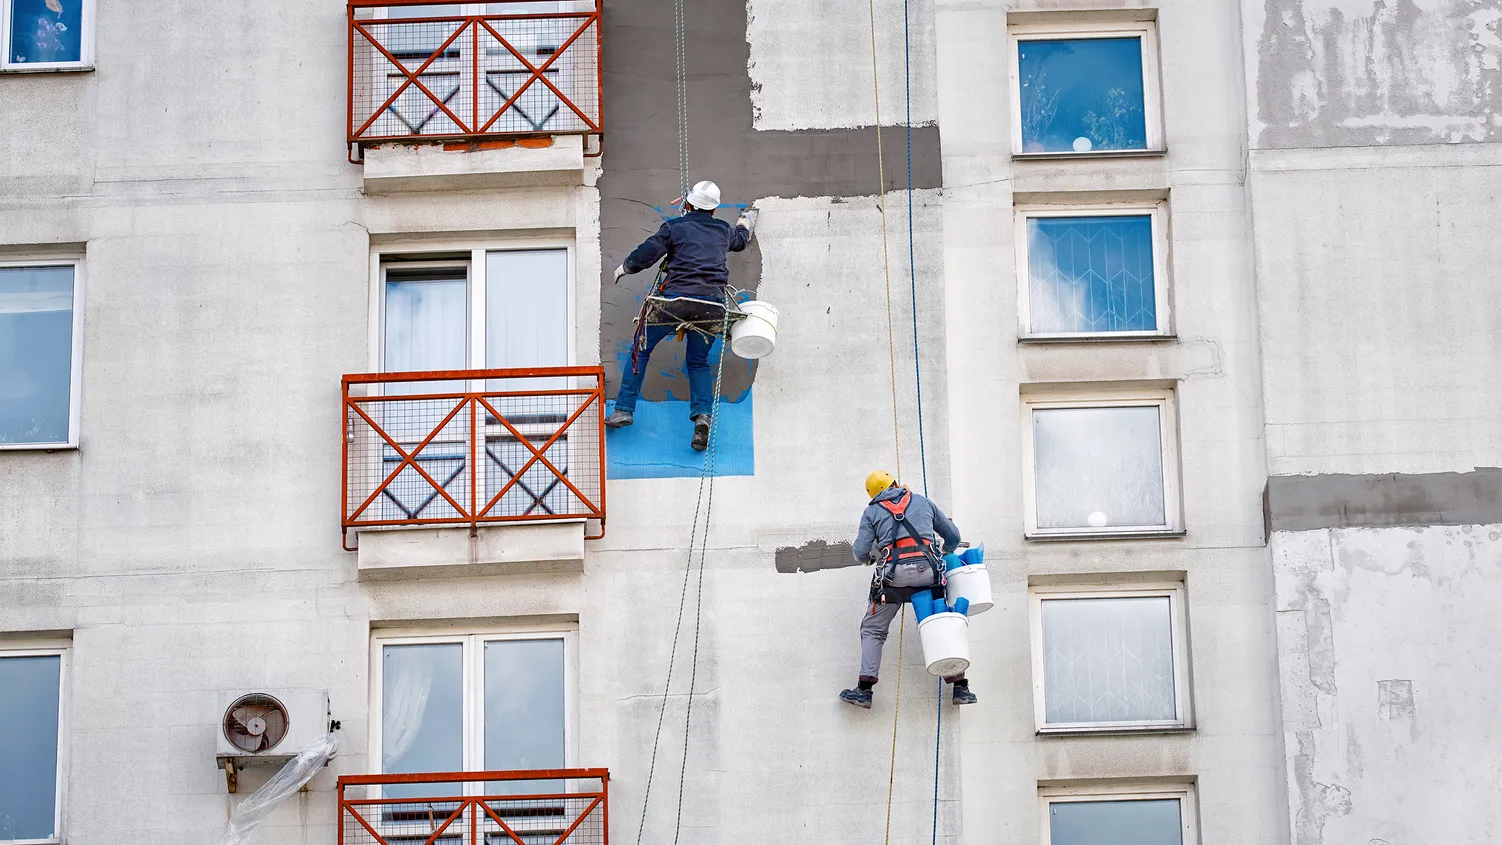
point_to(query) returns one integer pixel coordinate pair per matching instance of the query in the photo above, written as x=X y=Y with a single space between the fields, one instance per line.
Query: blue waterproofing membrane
x=656 y=445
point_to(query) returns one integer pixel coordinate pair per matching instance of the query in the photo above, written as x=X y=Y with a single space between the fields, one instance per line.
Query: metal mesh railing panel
x=577 y=814
x=524 y=447
x=414 y=76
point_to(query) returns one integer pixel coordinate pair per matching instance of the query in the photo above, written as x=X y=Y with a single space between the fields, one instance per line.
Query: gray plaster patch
x=1311 y=502
x=641 y=165
x=1395 y=700
x=814 y=556
x=1399 y=72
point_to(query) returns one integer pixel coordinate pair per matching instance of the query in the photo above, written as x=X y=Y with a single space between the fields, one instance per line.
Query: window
x=1100 y=464
x=31 y=743
x=1092 y=271
x=46 y=34
x=41 y=321
x=476 y=702
x=475 y=309
x=1126 y=814
x=1111 y=658
x=1085 y=88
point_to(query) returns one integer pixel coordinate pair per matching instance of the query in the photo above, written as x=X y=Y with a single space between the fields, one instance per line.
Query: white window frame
x=1184 y=793
x=474 y=319
x=75 y=373
x=1157 y=211
x=85 y=50
x=1161 y=398
x=1152 y=96
x=61 y=649
x=1179 y=630
x=474 y=641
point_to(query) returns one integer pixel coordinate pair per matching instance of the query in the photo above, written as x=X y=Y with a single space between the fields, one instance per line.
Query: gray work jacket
x=879 y=528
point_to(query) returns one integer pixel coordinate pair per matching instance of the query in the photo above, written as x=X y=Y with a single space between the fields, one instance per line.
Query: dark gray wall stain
x=641 y=158
x=1399 y=75
x=814 y=556
x=1309 y=502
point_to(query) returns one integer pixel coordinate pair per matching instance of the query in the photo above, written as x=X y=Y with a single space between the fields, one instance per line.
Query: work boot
x=701 y=433
x=963 y=695
x=858 y=697
x=619 y=419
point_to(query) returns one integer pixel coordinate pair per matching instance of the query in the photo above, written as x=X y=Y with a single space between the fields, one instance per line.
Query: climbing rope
x=703 y=505
x=896 y=709
x=886 y=262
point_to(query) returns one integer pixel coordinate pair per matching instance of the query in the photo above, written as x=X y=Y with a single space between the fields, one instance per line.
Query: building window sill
x=67 y=69
x=1121 y=337
x=1070 y=154
x=1114 y=730
x=38 y=447
x=1075 y=536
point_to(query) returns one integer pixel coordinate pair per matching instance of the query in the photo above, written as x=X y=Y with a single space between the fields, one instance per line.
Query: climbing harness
x=704 y=317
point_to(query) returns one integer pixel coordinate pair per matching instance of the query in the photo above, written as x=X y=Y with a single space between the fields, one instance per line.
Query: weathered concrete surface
x=1362 y=72
x=1387 y=659
x=641 y=160
x=1306 y=502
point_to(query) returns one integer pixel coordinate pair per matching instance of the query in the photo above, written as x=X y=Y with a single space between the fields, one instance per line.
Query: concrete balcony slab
x=511 y=548
x=484 y=165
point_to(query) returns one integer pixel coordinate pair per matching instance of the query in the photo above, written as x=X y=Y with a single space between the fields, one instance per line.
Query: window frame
x=1165 y=399
x=1183 y=792
x=75 y=369
x=1152 y=89
x=473 y=641
x=1183 y=693
x=62 y=650
x=1158 y=214
x=85 y=44
x=476 y=268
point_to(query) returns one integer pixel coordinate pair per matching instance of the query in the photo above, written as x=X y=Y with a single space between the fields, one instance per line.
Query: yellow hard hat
x=878 y=481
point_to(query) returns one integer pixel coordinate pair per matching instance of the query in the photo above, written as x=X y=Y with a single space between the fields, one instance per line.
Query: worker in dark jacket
x=906 y=564
x=696 y=245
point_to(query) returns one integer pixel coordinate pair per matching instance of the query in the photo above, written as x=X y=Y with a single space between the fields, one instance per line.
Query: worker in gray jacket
x=899 y=533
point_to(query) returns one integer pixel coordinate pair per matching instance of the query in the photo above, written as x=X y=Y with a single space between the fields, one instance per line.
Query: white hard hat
x=704 y=196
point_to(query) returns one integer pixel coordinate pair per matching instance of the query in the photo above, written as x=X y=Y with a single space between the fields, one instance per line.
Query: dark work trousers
x=878 y=618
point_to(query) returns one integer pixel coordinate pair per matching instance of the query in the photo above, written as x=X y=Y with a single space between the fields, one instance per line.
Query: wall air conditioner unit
x=268 y=727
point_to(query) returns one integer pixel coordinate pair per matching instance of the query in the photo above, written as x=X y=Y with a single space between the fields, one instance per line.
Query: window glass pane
x=1108 y=660
x=427 y=324
x=1098 y=467
x=45 y=31
x=526 y=304
x=1154 y=822
x=36 y=353
x=524 y=716
x=422 y=714
x=1081 y=94
x=1091 y=274
x=29 y=692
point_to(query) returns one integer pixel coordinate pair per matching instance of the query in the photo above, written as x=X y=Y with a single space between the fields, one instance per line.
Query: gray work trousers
x=878 y=618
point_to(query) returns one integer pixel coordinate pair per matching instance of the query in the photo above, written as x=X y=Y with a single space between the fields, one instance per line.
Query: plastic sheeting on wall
x=282 y=785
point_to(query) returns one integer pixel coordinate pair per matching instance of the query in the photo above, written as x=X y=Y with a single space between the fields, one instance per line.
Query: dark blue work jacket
x=696 y=245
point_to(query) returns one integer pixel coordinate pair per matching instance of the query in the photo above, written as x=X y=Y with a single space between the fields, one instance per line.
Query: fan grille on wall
x=255 y=723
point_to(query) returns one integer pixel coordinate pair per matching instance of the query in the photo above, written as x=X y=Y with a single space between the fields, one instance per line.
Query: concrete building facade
x=1183 y=309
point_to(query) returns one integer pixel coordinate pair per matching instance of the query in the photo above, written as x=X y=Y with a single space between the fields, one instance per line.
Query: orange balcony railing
x=512 y=69
x=469 y=447
x=552 y=807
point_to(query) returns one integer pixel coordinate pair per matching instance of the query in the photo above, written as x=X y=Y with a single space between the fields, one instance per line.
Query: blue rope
x=912 y=254
x=912 y=275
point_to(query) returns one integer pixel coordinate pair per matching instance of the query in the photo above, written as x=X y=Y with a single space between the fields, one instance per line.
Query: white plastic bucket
x=946 y=643
x=755 y=335
x=973 y=584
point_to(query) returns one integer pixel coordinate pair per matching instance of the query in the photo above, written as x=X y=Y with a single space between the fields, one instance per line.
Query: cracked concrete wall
x=1388 y=668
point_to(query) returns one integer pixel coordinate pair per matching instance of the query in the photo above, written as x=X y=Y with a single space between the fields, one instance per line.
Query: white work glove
x=748 y=219
x=619 y=272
